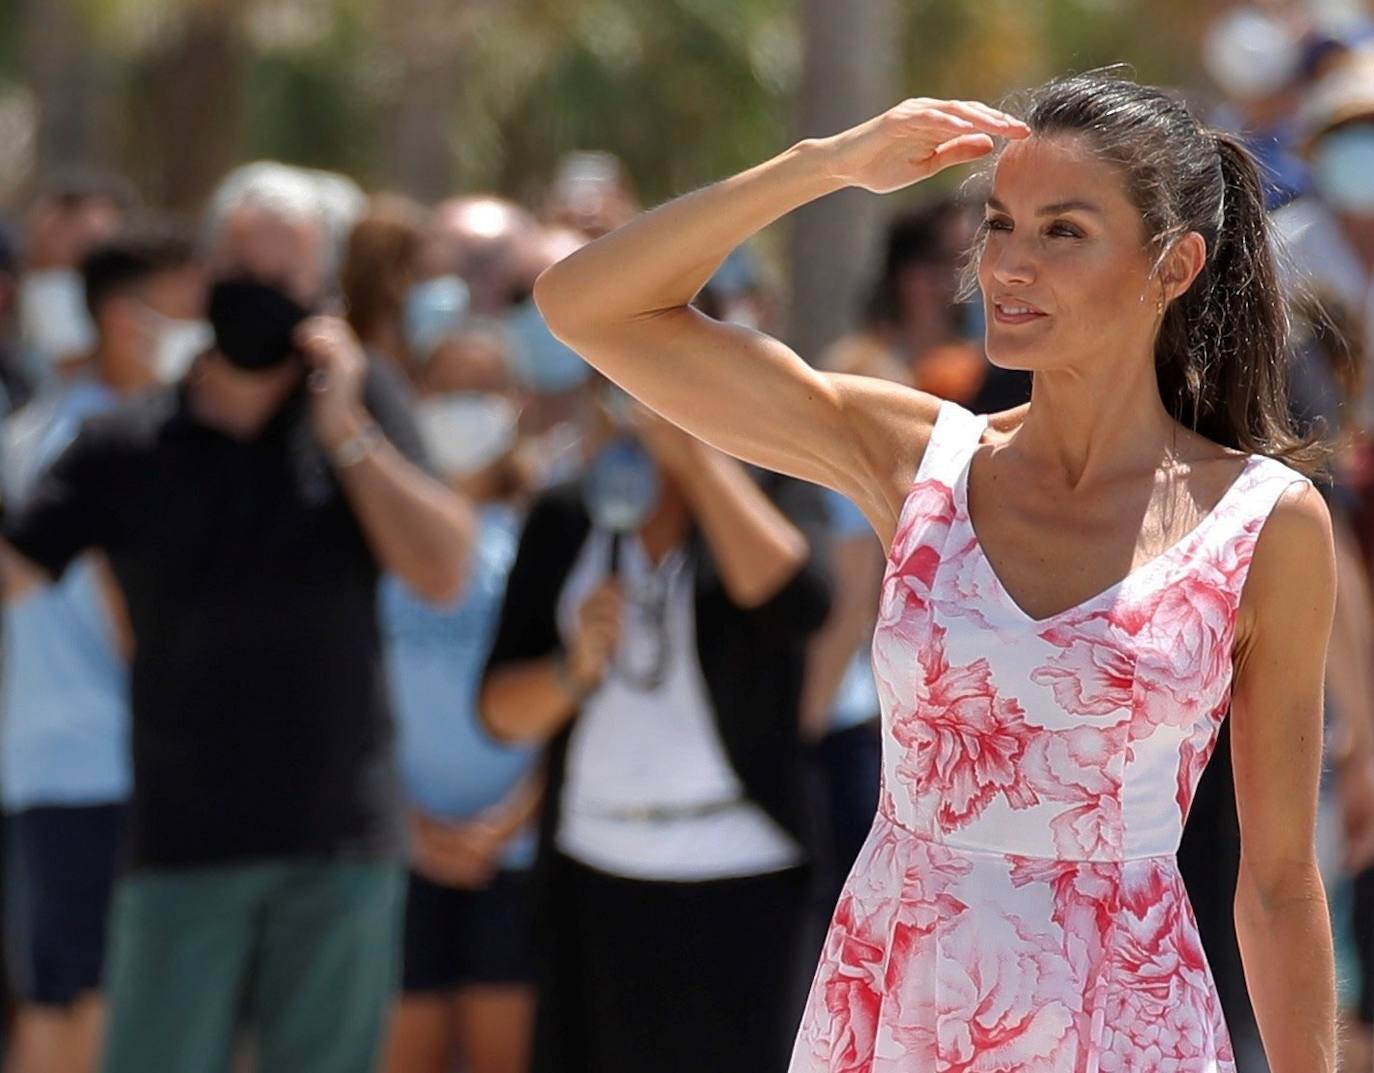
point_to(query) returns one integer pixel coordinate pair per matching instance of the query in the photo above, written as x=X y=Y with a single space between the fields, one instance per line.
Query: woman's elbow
x=501 y=720
x=441 y=578
x=556 y=300
x=1277 y=885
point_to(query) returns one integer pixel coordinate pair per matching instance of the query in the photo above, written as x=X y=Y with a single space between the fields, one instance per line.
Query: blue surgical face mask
x=1343 y=169
x=434 y=309
x=622 y=486
x=541 y=363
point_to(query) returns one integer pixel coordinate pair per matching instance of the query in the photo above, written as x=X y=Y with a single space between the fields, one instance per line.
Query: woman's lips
x=1006 y=312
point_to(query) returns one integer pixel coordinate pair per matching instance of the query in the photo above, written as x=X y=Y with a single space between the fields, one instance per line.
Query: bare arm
x=857 y=563
x=418 y=529
x=756 y=547
x=531 y=700
x=20 y=576
x=1282 y=918
x=623 y=303
x=527 y=701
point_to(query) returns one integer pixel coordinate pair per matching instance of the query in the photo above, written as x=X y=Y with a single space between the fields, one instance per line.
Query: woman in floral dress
x=1077 y=591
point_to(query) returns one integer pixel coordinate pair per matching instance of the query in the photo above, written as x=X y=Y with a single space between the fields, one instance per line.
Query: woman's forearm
x=1285 y=943
x=418 y=529
x=756 y=547
x=520 y=807
x=528 y=701
x=661 y=259
x=857 y=566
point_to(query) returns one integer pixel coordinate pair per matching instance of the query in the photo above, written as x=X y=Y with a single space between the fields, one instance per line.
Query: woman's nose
x=1010 y=264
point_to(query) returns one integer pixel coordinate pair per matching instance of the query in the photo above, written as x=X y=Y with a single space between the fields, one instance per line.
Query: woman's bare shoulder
x=1293 y=564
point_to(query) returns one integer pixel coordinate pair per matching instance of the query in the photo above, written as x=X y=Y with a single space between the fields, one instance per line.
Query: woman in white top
x=654 y=631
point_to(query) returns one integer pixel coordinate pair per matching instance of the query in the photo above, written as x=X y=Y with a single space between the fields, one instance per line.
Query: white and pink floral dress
x=1017 y=907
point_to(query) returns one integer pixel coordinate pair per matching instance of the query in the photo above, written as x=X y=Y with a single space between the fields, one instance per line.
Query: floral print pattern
x=1017 y=906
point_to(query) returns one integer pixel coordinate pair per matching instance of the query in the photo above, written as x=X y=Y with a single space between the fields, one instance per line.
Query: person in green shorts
x=247 y=513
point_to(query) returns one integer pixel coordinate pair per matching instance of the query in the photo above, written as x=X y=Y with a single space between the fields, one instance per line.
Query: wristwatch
x=358 y=446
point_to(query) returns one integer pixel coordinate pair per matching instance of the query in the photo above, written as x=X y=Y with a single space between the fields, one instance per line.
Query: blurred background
x=449 y=150
x=429 y=97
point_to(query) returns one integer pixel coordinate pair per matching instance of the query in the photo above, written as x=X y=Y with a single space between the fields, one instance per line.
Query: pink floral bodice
x=1017 y=906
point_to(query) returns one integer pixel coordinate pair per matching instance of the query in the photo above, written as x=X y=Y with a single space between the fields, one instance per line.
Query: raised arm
x=623 y=303
x=1282 y=920
x=416 y=527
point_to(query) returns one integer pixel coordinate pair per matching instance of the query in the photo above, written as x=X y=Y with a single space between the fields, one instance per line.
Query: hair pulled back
x=1221 y=354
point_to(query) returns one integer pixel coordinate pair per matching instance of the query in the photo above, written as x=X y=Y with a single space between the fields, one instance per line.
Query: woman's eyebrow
x=1054 y=209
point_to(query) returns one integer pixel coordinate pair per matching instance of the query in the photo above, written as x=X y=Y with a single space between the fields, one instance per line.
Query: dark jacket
x=751 y=658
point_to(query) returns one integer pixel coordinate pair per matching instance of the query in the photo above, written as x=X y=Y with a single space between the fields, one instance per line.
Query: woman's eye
x=1065 y=231
x=994 y=224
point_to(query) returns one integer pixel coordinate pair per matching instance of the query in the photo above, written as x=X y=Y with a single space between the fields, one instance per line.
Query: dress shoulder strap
x=1227 y=539
x=1257 y=491
x=954 y=437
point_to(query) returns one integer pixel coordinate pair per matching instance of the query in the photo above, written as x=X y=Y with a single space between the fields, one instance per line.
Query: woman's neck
x=1086 y=428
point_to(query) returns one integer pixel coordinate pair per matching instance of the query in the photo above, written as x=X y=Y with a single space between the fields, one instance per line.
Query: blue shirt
x=856 y=699
x=64 y=694
x=435 y=655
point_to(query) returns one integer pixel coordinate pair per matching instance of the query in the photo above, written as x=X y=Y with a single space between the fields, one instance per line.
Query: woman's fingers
x=967 y=116
x=1009 y=125
x=960 y=150
x=934 y=118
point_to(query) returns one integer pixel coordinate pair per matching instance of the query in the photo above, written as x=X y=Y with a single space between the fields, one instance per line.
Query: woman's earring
x=1159 y=306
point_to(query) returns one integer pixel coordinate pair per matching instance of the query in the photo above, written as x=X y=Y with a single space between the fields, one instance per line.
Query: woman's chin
x=1015 y=356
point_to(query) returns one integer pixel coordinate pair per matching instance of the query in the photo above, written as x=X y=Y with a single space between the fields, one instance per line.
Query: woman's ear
x=1182 y=264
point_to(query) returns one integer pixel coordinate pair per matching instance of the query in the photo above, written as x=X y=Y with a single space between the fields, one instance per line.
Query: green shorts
x=301 y=956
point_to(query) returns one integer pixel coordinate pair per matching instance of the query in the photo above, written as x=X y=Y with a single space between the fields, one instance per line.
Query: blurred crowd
x=383 y=689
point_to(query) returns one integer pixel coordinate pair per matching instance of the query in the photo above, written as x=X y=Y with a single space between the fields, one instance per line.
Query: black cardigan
x=751 y=658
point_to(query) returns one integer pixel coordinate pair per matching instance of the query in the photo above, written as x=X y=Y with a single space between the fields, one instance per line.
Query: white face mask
x=1343 y=169
x=467 y=431
x=178 y=344
x=1250 y=54
x=53 y=318
x=173 y=343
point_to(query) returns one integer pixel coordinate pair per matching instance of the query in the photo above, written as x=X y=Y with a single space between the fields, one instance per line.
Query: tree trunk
x=427 y=37
x=850 y=73
x=70 y=80
x=195 y=99
x=421 y=159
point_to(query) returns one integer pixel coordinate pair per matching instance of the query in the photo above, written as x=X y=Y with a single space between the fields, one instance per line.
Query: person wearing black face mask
x=247 y=513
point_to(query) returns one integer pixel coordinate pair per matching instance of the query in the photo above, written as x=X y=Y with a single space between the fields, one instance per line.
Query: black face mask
x=254 y=323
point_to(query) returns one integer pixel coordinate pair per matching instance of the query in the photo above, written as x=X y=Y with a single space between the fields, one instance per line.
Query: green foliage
x=316 y=102
x=683 y=90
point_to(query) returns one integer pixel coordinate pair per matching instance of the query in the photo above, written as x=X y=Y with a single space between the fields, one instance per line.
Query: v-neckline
x=1013 y=605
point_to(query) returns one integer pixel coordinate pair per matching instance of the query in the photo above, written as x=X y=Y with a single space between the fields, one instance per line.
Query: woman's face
x=1064 y=271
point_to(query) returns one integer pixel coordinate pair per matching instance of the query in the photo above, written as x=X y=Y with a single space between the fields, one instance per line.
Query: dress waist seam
x=992 y=852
